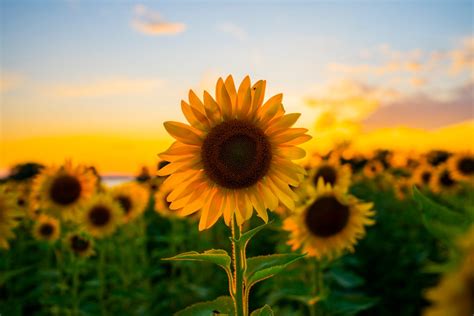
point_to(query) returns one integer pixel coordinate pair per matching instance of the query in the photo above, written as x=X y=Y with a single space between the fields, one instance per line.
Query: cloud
x=462 y=58
x=10 y=81
x=233 y=30
x=151 y=22
x=105 y=87
x=420 y=110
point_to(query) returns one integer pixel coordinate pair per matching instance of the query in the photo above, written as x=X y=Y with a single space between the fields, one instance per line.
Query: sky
x=93 y=81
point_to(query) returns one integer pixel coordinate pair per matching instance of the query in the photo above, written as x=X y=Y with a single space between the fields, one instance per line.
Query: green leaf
x=440 y=221
x=264 y=311
x=349 y=304
x=346 y=278
x=245 y=237
x=7 y=275
x=216 y=256
x=221 y=306
x=264 y=267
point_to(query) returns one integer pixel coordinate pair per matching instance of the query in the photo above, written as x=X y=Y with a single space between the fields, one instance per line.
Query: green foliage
x=216 y=256
x=221 y=306
x=264 y=311
x=264 y=267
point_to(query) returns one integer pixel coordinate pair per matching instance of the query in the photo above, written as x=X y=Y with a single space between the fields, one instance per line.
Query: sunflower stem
x=101 y=271
x=239 y=262
x=75 y=288
x=316 y=286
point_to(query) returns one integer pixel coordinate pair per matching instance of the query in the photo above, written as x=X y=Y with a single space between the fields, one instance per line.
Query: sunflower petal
x=282 y=123
x=184 y=133
x=258 y=204
x=195 y=102
x=213 y=111
x=290 y=152
x=258 y=93
x=288 y=135
x=270 y=199
x=230 y=86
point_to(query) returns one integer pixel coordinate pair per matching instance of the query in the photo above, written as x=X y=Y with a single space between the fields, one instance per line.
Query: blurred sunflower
x=442 y=180
x=46 y=228
x=461 y=166
x=454 y=295
x=101 y=215
x=162 y=206
x=333 y=173
x=80 y=244
x=402 y=188
x=329 y=223
x=10 y=216
x=60 y=191
x=373 y=168
x=235 y=156
x=133 y=199
x=422 y=175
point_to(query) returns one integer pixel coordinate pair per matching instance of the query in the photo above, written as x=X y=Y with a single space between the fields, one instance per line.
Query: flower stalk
x=238 y=292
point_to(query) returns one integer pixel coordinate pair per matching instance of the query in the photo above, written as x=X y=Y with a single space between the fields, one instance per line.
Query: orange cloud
x=151 y=23
x=9 y=81
x=463 y=57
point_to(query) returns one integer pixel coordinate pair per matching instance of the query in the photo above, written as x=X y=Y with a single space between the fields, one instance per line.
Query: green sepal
x=221 y=306
x=216 y=256
x=264 y=311
x=264 y=267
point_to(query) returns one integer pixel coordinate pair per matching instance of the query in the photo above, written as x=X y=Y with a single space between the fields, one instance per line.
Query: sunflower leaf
x=264 y=311
x=245 y=237
x=216 y=256
x=264 y=267
x=220 y=306
x=440 y=221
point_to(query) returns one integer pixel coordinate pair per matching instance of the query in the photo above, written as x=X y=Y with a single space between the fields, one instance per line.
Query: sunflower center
x=328 y=174
x=21 y=202
x=446 y=180
x=426 y=177
x=99 y=215
x=65 y=190
x=46 y=230
x=125 y=202
x=326 y=217
x=466 y=166
x=236 y=154
x=79 y=244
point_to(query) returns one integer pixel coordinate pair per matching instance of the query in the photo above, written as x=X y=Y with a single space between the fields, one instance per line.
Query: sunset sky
x=94 y=80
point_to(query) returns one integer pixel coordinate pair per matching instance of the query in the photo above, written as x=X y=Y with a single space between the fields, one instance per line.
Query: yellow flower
x=442 y=180
x=61 y=191
x=80 y=244
x=461 y=166
x=46 y=228
x=133 y=199
x=235 y=156
x=101 y=215
x=333 y=173
x=329 y=223
x=454 y=295
x=10 y=216
x=373 y=168
x=402 y=188
x=422 y=175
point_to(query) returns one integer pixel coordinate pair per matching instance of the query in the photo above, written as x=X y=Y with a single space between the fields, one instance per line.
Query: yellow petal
x=282 y=123
x=184 y=133
x=271 y=201
x=258 y=93
x=288 y=135
x=290 y=152
x=258 y=204
x=199 y=122
x=195 y=102
x=230 y=86
x=213 y=111
x=282 y=196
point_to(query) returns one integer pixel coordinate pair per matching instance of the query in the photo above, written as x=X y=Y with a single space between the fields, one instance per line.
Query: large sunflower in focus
x=331 y=172
x=60 y=191
x=235 y=156
x=462 y=166
x=454 y=295
x=9 y=216
x=133 y=199
x=101 y=216
x=329 y=223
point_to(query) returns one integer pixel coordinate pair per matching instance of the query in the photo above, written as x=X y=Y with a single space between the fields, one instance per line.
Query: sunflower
x=442 y=180
x=329 y=223
x=60 y=191
x=133 y=199
x=422 y=175
x=10 y=215
x=462 y=166
x=333 y=173
x=46 y=228
x=162 y=206
x=235 y=156
x=402 y=188
x=454 y=295
x=80 y=244
x=101 y=215
x=373 y=168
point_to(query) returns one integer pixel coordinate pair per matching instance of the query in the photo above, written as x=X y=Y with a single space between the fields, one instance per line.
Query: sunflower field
x=239 y=219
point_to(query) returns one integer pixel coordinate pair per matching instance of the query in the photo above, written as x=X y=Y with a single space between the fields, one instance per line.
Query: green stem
x=239 y=262
x=316 y=284
x=75 y=288
x=101 y=275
